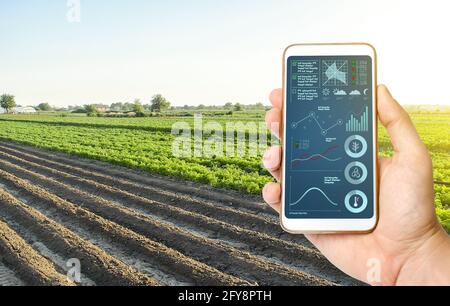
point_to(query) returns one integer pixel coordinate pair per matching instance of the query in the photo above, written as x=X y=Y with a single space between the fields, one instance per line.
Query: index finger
x=276 y=98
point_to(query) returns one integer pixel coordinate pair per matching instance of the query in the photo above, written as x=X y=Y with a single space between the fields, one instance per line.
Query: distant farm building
x=19 y=110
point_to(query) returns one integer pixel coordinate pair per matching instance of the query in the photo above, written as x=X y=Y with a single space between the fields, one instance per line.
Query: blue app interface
x=329 y=138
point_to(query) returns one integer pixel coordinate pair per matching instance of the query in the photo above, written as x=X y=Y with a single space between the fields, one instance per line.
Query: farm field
x=108 y=192
x=132 y=228
x=146 y=144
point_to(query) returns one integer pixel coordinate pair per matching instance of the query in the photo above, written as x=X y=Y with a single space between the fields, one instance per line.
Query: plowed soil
x=127 y=227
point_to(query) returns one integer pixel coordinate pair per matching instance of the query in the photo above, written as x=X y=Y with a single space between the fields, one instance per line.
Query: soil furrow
x=287 y=250
x=99 y=266
x=259 y=223
x=201 y=248
x=295 y=254
x=8 y=277
x=229 y=198
x=59 y=260
x=28 y=264
x=165 y=258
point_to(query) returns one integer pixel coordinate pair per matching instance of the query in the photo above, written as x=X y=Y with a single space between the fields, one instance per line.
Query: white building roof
x=19 y=110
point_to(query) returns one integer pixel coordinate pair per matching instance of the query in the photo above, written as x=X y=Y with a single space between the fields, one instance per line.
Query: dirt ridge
x=191 y=237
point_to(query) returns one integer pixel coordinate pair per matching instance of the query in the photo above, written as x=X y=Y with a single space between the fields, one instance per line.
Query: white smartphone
x=330 y=148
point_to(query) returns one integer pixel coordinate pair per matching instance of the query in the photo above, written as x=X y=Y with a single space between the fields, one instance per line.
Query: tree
x=7 y=102
x=237 y=107
x=117 y=107
x=159 y=104
x=138 y=107
x=259 y=105
x=45 y=107
x=91 y=109
x=228 y=105
x=128 y=107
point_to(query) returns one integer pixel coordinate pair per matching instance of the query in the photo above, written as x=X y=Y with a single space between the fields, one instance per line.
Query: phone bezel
x=303 y=226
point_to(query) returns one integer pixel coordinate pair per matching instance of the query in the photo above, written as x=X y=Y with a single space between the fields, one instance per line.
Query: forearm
x=430 y=265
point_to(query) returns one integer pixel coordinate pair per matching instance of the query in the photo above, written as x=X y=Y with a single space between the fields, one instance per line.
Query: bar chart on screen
x=358 y=124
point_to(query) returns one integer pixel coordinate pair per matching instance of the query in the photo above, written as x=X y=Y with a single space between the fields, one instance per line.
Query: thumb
x=399 y=126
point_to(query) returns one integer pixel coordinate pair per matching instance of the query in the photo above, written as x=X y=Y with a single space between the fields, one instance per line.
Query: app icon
x=356 y=201
x=355 y=173
x=355 y=146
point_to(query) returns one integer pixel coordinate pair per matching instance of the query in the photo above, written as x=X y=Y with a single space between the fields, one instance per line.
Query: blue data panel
x=329 y=137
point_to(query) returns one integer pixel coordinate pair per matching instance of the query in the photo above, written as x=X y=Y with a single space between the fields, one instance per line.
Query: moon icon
x=366 y=91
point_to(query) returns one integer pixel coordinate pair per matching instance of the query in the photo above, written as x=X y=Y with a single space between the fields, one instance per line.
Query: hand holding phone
x=408 y=246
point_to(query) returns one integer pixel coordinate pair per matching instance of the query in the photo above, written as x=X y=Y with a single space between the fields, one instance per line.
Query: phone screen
x=329 y=143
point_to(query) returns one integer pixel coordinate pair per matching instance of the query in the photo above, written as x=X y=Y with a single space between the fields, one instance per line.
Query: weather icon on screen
x=339 y=92
x=355 y=93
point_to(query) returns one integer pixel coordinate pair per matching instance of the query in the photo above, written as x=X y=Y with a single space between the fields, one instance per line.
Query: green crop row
x=139 y=149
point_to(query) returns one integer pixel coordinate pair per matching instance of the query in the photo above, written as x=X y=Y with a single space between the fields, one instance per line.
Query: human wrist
x=429 y=264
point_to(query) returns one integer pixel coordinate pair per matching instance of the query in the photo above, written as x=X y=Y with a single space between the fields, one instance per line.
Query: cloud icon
x=355 y=93
x=339 y=92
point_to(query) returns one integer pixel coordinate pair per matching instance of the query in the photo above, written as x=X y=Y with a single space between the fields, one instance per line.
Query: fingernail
x=387 y=90
x=267 y=159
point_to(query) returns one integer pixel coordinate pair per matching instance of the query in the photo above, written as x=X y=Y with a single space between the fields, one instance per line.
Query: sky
x=208 y=52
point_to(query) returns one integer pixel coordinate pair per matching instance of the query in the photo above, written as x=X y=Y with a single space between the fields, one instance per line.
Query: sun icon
x=326 y=92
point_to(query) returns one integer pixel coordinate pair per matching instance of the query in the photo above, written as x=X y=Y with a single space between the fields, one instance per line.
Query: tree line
x=157 y=104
